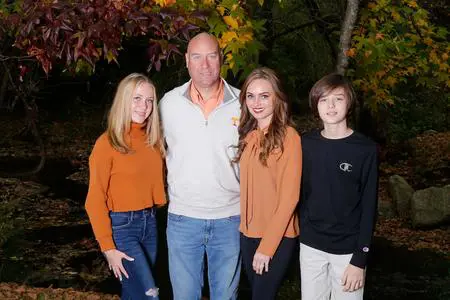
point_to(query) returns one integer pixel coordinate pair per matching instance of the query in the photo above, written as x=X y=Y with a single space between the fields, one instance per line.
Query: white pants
x=321 y=274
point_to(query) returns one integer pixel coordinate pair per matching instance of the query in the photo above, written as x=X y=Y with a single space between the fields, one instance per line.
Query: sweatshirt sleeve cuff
x=359 y=258
x=106 y=244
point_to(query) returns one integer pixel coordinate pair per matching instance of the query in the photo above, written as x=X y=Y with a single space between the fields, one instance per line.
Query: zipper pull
x=206 y=122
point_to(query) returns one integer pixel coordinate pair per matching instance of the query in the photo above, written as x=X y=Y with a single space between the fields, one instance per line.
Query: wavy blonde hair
x=119 y=117
x=276 y=131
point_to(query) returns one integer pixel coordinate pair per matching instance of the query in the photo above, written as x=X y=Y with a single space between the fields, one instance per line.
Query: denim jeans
x=135 y=234
x=188 y=240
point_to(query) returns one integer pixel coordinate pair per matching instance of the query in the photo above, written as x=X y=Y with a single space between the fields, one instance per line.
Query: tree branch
x=351 y=15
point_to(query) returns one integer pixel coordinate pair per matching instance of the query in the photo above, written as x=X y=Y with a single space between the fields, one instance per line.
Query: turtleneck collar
x=137 y=129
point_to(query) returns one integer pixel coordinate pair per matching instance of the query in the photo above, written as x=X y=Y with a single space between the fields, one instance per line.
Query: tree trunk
x=3 y=86
x=351 y=15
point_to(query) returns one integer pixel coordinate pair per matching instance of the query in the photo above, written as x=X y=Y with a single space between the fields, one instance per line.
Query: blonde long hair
x=119 y=117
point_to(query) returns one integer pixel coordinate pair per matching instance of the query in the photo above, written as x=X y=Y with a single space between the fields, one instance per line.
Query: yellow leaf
x=229 y=57
x=380 y=74
x=411 y=70
x=246 y=37
x=231 y=22
x=433 y=56
x=390 y=81
x=351 y=52
x=412 y=4
x=371 y=5
x=389 y=101
x=228 y=36
x=261 y=2
x=395 y=15
x=221 y=10
x=428 y=41
x=208 y=2
x=421 y=22
x=164 y=3
x=444 y=56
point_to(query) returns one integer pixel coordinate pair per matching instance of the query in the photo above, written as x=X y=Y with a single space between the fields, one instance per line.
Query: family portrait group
x=244 y=189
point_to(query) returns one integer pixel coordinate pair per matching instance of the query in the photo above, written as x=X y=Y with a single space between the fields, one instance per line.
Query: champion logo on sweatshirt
x=346 y=167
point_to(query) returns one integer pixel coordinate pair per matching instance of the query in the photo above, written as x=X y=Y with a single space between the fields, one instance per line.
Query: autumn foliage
x=77 y=34
x=396 y=45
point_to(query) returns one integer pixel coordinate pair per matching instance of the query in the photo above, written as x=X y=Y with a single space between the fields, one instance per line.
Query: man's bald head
x=203 y=60
x=203 y=38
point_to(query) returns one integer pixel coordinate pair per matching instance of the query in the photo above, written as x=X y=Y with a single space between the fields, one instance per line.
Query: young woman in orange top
x=126 y=183
x=269 y=154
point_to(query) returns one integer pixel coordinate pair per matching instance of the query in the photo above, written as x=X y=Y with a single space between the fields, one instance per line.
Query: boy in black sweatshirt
x=339 y=196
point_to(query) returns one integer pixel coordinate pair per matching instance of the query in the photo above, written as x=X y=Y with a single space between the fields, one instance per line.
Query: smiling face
x=259 y=99
x=333 y=106
x=203 y=61
x=142 y=102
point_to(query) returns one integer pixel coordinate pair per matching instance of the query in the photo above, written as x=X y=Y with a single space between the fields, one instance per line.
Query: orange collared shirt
x=207 y=105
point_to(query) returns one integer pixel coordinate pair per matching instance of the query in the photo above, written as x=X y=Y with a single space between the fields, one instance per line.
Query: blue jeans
x=135 y=234
x=188 y=239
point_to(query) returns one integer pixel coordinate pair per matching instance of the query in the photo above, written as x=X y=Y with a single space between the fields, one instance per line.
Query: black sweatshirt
x=339 y=194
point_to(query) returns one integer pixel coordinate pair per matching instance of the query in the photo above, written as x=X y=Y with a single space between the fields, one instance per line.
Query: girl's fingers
x=122 y=269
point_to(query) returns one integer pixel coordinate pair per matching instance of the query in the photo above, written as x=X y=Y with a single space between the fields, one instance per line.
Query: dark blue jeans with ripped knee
x=135 y=234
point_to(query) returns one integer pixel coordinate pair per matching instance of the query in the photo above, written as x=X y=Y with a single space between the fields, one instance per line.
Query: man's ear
x=186 y=56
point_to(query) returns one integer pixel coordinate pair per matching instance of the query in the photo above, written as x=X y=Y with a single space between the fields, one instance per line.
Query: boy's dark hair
x=325 y=85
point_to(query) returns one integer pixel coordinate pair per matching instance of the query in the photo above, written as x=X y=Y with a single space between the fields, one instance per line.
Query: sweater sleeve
x=100 y=163
x=288 y=177
x=369 y=206
x=159 y=194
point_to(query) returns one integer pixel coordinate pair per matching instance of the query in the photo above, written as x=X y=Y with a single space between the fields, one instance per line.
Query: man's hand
x=353 y=278
x=114 y=258
x=260 y=263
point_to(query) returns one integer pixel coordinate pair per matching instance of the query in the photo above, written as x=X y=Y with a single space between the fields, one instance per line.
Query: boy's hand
x=260 y=263
x=353 y=278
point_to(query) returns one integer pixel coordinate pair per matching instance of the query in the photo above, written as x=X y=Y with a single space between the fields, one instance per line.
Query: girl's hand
x=114 y=258
x=260 y=263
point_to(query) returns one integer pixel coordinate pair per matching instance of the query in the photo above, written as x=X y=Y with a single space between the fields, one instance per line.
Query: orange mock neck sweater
x=269 y=194
x=122 y=182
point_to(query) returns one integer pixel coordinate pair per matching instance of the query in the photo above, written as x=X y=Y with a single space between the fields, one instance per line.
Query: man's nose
x=205 y=63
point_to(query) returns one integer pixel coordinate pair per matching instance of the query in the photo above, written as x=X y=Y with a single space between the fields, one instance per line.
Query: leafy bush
x=418 y=111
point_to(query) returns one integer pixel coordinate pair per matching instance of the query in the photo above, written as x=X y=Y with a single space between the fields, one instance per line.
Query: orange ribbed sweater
x=269 y=194
x=122 y=182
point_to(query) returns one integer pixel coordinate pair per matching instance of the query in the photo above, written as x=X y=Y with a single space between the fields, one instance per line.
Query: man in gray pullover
x=200 y=120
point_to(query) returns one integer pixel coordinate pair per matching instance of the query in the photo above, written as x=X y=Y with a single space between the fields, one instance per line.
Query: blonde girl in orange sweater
x=269 y=154
x=126 y=183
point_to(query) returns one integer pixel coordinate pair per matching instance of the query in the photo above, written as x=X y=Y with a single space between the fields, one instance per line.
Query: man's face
x=203 y=61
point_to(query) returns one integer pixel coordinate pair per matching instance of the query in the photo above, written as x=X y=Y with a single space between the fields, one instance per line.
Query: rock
x=386 y=209
x=431 y=207
x=429 y=131
x=401 y=193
